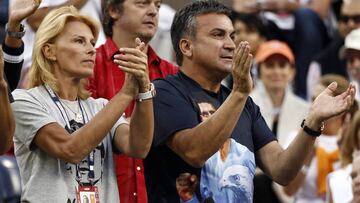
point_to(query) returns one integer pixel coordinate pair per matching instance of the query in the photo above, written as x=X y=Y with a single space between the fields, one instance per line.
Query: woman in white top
x=280 y=107
x=339 y=181
x=64 y=139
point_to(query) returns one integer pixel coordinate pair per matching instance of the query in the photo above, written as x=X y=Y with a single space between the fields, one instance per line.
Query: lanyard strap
x=90 y=158
x=58 y=104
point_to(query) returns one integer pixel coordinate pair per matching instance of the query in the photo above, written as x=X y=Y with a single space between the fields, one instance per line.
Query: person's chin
x=227 y=67
x=86 y=73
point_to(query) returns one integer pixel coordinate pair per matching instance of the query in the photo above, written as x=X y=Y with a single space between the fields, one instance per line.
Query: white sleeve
x=48 y=3
x=313 y=78
x=120 y=121
x=30 y=116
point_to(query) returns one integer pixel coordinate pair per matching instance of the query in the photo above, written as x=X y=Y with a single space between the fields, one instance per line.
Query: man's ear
x=186 y=47
x=114 y=12
x=49 y=52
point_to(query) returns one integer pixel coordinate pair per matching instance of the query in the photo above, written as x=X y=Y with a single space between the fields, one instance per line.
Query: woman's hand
x=133 y=61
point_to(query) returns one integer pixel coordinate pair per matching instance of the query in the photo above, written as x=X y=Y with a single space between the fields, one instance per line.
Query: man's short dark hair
x=184 y=23
x=253 y=22
x=107 y=20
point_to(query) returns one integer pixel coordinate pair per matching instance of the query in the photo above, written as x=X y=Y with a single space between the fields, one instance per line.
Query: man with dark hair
x=332 y=59
x=221 y=148
x=123 y=21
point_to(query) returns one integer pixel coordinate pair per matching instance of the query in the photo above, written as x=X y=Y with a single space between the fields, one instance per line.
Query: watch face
x=13 y=34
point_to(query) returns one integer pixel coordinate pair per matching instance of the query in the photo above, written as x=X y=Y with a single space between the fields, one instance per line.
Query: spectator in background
x=280 y=107
x=220 y=150
x=332 y=60
x=7 y=123
x=352 y=57
x=250 y=28
x=161 y=42
x=339 y=181
x=86 y=7
x=125 y=20
x=59 y=126
x=300 y=24
x=10 y=64
x=310 y=183
x=355 y=175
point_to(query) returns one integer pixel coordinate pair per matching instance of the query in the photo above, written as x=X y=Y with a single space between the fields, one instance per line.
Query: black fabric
x=176 y=107
x=330 y=60
x=263 y=191
x=13 y=70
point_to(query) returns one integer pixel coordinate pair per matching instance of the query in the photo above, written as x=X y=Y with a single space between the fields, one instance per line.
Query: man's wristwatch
x=147 y=95
x=309 y=131
x=13 y=34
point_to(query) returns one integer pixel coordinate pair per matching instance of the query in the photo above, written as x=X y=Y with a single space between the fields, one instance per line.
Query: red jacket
x=106 y=81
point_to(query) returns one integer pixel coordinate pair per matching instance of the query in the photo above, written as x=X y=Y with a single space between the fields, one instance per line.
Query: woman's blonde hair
x=350 y=142
x=42 y=69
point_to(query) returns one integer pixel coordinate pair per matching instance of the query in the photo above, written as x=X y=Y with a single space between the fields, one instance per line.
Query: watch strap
x=311 y=132
x=147 y=95
x=14 y=34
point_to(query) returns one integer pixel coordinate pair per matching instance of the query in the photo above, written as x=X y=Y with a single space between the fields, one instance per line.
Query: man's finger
x=238 y=54
x=248 y=63
x=331 y=88
x=243 y=54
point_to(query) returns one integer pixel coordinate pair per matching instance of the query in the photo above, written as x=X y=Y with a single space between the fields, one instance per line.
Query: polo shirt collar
x=111 y=48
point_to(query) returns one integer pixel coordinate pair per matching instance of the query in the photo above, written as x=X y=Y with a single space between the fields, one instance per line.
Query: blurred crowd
x=56 y=126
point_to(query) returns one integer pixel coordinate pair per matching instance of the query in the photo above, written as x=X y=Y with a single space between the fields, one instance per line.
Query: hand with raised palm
x=242 y=81
x=20 y=10
x=133 y=61
x=326 y=105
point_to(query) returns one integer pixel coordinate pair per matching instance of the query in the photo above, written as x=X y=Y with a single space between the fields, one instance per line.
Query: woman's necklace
x=78 y=115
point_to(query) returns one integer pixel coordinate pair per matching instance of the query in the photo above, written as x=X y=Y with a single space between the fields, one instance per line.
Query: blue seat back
x=10 y=183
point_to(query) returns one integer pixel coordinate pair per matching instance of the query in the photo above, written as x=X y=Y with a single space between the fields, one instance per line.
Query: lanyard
x=90 y=158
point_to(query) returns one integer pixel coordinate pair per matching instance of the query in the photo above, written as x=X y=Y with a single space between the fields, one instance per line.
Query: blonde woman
x=64 y=139
x=339 y=181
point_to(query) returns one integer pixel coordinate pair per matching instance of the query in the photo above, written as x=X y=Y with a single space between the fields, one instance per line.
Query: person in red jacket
x=123 y=21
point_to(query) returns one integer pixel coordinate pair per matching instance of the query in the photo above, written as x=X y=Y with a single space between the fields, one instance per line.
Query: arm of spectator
x=13 y=47
x=197 y=144
x=7 y=123
x=13 y=60
x=35 y=19
x=57 y=142
x=298 y=181
x=19 y=11
x=283 y=165
x=135 y=140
